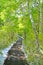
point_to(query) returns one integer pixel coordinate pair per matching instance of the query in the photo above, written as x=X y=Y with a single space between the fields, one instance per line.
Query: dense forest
x=24 y=18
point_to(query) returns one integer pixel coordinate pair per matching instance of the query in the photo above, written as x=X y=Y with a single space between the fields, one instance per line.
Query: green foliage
x=14 y=20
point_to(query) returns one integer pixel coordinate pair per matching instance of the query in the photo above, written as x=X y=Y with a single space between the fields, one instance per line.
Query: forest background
x=24 y=18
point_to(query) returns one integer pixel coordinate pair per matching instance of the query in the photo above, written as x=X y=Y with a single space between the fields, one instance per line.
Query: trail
x=15 y=54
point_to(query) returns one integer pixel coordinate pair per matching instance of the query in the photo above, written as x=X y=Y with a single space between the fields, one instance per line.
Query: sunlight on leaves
x=21 y=25
x=2 y=15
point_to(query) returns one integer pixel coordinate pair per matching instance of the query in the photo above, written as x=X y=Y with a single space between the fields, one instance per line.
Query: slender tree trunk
x=34 y=28
x=40 y=8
